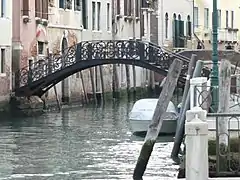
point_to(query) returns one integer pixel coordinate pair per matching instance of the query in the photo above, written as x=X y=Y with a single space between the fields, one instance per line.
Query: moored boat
x=141 y=116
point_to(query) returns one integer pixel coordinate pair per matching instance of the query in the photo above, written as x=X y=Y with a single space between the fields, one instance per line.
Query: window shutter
x=45 y=9
x=25 y=9
x=118 y=7
x=38 y=12
x=137 y=7
x=125 y=7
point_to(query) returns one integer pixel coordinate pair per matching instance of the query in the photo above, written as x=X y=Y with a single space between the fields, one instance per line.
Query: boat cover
x=143 y=109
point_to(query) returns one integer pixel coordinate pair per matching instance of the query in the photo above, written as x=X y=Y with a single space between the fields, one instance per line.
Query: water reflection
x=86 y=143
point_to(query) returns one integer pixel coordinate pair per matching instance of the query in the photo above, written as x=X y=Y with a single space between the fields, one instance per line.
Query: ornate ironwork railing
x=204 y=97
x=222 y=161
x=92 y=50
x=225 y=162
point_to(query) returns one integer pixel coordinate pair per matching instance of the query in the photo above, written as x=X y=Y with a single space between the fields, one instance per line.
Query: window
x=189 y=27
x=98 y=16
x=3 y=8
x=125 y=7
x=65 y=4
x=62 y=4
x=118 y=7
x=137 y=8
x=41 y=9
x=108 y=17
x=38 y=8
x=166 y=25
x=219 y=18
x=3 y=60
x=226 y=19
x=206 y=18
x=77 y=5
x=25 y=9
x=195 y=21
x=232 y=19
x=44 y=9
x=84 y=14
x=93 y=15
x=68 y=4
x=40 y=47
x=129 y=7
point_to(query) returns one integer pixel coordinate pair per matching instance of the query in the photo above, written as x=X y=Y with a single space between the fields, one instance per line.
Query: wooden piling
x=93 y=85
x=54 y=87
x=128 y=79
x=102 y=84
x=84 y=88
x=191 y=67
x=224 y=98
x=179 y=135
x=115 y=83
x=134 y=80
x=57 y=98
x=157 y=120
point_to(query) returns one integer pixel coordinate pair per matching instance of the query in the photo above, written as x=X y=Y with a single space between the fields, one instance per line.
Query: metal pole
x=193 y=4
x=214 y=74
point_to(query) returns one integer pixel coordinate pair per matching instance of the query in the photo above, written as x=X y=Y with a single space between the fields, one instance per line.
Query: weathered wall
x=183 y=8
x=68 y=24
x=5 y=43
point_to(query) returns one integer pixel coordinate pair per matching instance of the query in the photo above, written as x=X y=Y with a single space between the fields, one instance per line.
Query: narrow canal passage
x=81 y=143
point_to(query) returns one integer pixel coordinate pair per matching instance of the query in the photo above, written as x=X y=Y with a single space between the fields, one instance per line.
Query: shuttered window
x=129 y=7
x=45 y=9
x=25 y=10
x=38 y=8
x=118 y=7
x=125 y=7
x=137 y=8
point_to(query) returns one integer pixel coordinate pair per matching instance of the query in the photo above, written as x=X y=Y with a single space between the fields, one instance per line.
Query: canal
x=78 y=143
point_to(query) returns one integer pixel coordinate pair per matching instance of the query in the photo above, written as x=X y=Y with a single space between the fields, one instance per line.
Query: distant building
x=228 y=24
x=30 y=20
x=175 y=23
x=71 y=22
x=5 y=51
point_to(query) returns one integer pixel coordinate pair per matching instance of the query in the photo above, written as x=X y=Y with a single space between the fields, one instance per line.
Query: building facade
x=29 y=41
x=175 y=27
x=71 y=22
x=5 y=51
x=228 y=25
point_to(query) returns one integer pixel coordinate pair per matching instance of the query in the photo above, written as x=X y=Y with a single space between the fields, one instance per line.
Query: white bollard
x=197 y=86
x=196 y=131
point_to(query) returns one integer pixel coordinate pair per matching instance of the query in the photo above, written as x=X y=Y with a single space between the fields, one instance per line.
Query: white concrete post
x=196 y=131
x=196 y=87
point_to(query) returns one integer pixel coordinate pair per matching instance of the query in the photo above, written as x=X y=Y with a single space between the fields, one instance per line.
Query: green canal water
x=78 y=143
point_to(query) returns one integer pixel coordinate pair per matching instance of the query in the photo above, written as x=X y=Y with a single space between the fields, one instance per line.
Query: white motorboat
x=141 y=116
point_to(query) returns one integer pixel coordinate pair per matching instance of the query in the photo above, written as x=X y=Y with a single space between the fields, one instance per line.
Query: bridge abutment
x=28 y=106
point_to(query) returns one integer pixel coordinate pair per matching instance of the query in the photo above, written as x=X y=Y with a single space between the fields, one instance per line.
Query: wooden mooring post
x=102 y=84
x=134 y=80
x=156 y=124
x=128 y=79
x=54 y=87
x=115 y=83
x=84 y=88
x=223 y=107
x=93 y=85
x=179 y=135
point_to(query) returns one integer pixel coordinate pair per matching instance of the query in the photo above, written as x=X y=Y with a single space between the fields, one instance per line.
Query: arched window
x=189 y=27
x=166 y=25
x=174 y=16
x=179 y=17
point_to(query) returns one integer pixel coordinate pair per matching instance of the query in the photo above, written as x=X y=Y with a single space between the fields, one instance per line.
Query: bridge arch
x=44 y=74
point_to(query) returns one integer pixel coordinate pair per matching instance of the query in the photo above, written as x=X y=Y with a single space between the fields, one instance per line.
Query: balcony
x=228 y=34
